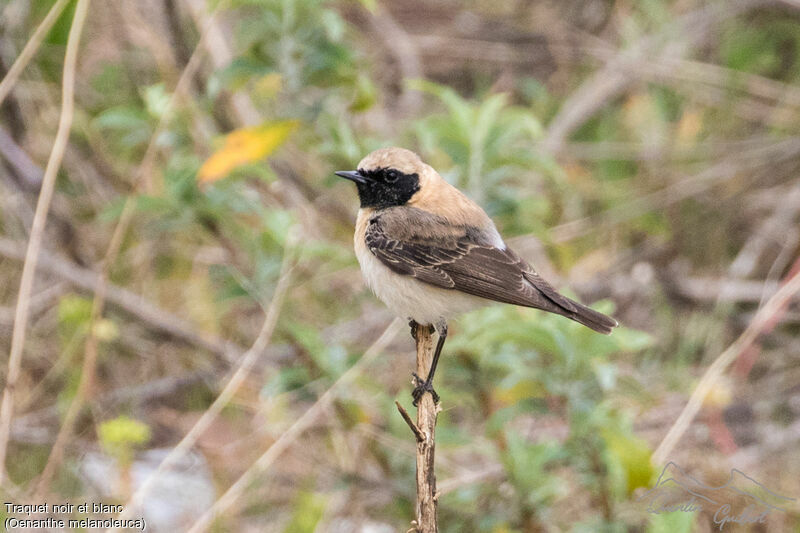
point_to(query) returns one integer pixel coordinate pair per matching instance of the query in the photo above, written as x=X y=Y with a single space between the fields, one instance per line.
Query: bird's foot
x=420 y=388
x=415 y=327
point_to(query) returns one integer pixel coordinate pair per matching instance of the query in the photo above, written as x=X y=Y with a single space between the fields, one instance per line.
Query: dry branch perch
x=414 y=429
x=425 y=432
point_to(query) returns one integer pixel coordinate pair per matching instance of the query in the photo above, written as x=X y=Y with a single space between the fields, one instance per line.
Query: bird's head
x=387 y=177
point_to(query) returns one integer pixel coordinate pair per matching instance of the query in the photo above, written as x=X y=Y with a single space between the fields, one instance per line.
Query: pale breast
x=406 y=296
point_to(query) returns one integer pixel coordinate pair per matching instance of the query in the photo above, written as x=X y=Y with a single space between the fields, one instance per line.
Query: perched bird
x=429 y=252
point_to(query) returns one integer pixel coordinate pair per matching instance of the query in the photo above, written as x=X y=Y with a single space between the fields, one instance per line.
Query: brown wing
x=415 y=243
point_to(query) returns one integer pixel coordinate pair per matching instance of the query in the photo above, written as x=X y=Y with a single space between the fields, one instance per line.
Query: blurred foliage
x=547 y=426
x=488 y=148
x=308 y=511
x=121 y=436
x=527 y=362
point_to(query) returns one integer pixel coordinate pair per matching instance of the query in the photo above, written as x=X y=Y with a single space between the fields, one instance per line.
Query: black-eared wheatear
x=429 y=252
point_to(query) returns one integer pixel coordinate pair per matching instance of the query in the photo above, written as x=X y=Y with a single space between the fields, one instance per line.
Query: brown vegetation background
x=197 y=305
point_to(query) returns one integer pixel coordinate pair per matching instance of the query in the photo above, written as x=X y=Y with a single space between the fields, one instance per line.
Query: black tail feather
x=560 y=304
x=592 y=319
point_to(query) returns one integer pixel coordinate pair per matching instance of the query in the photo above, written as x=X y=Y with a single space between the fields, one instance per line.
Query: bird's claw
x=414 y=325
x=420 y=388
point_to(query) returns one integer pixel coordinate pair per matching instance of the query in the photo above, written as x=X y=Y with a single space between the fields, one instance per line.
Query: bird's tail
x=591 y=318
x=571 y=309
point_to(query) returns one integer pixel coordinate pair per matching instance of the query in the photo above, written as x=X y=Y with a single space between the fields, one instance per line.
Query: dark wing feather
x=416 y=243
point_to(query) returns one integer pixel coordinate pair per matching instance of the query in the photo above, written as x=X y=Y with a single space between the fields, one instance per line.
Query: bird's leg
x=427 y=386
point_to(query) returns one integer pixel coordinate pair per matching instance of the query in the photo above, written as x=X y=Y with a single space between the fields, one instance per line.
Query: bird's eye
x=391 y=176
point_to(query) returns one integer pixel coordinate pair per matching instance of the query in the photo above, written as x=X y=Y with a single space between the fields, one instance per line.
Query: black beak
x=352 y=175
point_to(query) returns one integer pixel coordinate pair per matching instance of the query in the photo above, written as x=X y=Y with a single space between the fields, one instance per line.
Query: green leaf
x=487 y=116
x=129 y=126
x=156 y=100
x=528 y=465
x=369 y=5
x=308 y=510
x=632 y=454
x=277 y=223
x=459 y=108
x=122 y=118
x=60 y=31
x=675 y=522
x=366 y=94
x=74 y=311
x=333 y=24
x=519 y=389
x=631 y=340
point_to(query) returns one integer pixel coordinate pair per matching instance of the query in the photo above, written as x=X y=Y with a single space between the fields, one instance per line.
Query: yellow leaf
x=243 y=146
x=633 y=455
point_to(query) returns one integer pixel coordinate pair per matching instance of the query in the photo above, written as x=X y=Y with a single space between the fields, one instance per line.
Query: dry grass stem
x=149 y=314
x=30 y=48
x=295 y=430
x=758 y=157
x=610 y=81
x=37 y=229
x=143 y=175
x=762 y=320
x=231 y=387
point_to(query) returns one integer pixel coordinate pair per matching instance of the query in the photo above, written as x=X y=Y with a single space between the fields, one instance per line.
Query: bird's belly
x=409 y=297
